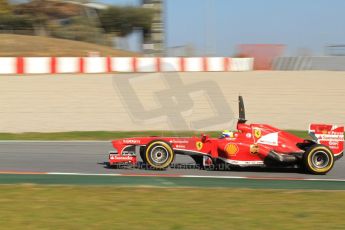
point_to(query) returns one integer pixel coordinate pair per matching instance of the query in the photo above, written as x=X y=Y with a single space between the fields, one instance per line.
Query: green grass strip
x=102 y=207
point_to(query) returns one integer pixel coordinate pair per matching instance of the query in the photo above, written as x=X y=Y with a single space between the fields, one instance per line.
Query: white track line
x=82 y=174
x=196 y=176
x=217 y=177
x=262 y=178
x=337 y=180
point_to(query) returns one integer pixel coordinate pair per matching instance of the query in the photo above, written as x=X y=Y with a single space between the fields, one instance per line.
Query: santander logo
x=269 y=139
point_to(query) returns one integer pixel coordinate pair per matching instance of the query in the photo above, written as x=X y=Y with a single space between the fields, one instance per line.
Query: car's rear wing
x=329 y=135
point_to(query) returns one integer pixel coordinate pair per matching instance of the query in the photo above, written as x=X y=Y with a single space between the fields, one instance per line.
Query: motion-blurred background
x=284 y=35
x=252 y=48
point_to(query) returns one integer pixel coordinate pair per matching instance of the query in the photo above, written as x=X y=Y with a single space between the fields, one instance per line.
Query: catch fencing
x=332 y=63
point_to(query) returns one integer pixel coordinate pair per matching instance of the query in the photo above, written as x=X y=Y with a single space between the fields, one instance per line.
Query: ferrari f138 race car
x=258 y=145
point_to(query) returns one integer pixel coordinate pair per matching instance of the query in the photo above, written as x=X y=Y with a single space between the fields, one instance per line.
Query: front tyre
x=159 y=155
x=318 y=159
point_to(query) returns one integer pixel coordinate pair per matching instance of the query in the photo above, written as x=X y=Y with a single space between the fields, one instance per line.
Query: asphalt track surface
x=91 y=157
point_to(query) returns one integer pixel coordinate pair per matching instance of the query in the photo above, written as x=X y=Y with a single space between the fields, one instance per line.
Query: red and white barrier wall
x=53 y=65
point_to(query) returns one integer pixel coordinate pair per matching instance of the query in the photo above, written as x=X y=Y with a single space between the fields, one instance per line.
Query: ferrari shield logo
x=199 y=145
x=257 y=133
x=231 y=149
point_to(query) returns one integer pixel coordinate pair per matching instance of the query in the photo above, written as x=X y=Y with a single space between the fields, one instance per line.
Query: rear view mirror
x=204 y=137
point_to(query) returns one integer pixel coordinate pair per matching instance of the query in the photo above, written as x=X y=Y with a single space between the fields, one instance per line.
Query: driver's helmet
x=227 y=133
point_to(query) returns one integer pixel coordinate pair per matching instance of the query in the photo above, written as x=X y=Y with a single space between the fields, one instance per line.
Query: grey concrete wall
x=290 y=100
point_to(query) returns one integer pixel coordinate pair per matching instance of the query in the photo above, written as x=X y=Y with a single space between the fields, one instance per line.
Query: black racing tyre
x=318 y=159
x=159 y=155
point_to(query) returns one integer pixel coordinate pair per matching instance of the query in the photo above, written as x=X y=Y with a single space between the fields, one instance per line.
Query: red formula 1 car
x=258 y=145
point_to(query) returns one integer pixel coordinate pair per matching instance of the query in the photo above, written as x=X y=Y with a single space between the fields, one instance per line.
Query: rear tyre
x=159 y=155
x=318 y=159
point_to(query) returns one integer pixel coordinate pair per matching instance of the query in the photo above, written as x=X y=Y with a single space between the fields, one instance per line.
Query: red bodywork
x=250 y=145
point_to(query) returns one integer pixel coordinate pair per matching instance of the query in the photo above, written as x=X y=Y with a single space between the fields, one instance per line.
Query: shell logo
x=231 y=149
